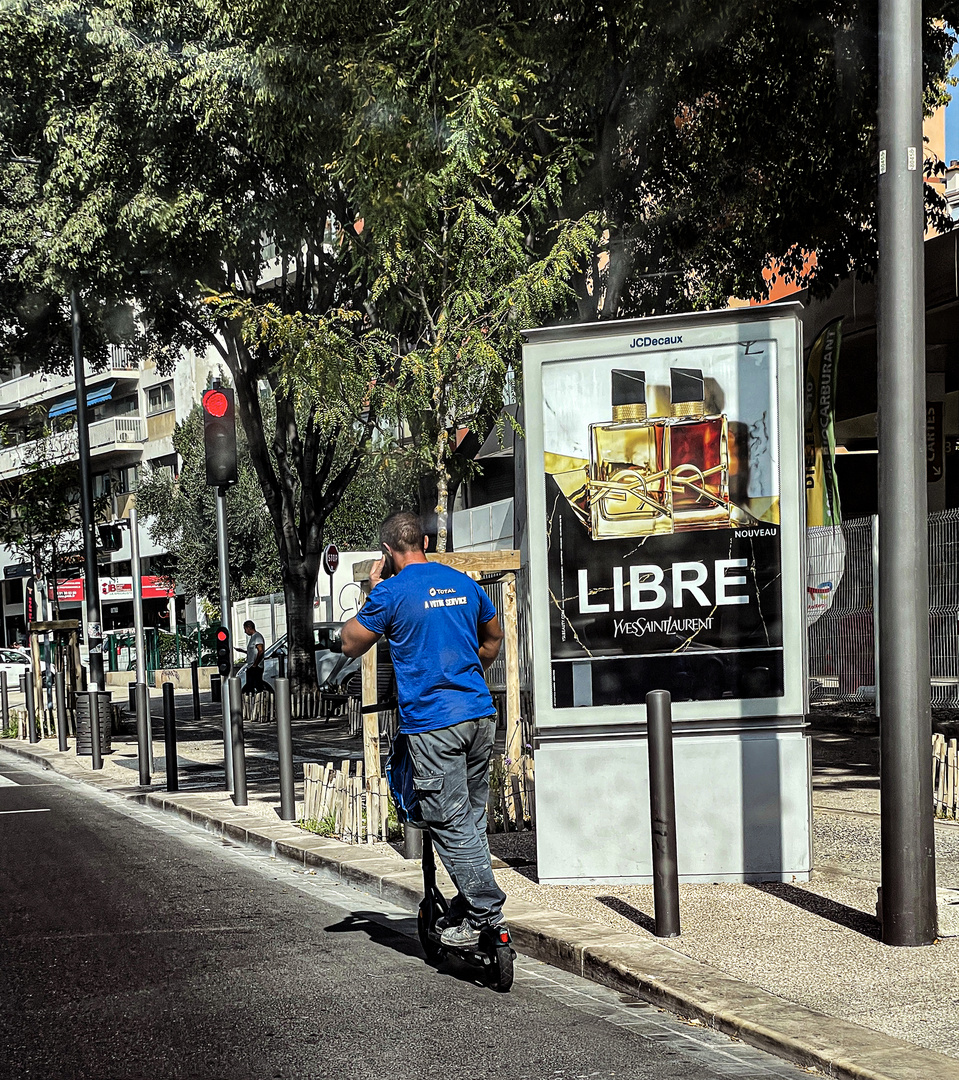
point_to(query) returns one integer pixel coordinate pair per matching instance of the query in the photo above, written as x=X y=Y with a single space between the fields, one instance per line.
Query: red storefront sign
x=115 y=588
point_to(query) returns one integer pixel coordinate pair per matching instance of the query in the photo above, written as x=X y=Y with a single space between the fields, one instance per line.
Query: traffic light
x=219 y=436
x=224 y=654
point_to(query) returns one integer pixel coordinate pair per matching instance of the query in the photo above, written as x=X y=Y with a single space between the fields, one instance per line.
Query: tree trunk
x=299 y=588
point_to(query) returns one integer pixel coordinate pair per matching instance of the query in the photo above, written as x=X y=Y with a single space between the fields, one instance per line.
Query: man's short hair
x=249 y=622
x=402 y=532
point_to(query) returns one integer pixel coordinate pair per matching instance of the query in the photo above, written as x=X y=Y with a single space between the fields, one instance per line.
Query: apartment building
x=132 y=412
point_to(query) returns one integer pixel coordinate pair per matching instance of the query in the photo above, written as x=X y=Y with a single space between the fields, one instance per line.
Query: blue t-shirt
x=431 y=614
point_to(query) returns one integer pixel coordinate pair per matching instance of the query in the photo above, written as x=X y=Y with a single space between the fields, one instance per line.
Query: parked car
x=332 y=667
x=14 y=663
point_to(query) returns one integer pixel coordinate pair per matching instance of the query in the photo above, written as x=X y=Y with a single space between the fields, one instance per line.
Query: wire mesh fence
x=842 y=641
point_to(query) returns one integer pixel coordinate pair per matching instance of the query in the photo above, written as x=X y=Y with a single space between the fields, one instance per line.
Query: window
x=166 y=465
x=160 y=398
x=127 y=479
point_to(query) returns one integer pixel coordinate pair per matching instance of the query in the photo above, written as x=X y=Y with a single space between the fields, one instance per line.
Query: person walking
x=443 y=634
x=255 y=644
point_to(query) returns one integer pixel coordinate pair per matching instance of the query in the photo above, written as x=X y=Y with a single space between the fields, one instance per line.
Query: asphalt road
x=137 y=946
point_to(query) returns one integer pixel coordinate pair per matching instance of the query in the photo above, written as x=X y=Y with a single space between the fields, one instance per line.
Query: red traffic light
x=215 y=402
x=221 y=634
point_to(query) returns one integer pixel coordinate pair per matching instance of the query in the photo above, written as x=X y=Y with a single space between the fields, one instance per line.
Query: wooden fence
x=259 y=708
x=342 y=805
x=512 y=795
x=945 y=785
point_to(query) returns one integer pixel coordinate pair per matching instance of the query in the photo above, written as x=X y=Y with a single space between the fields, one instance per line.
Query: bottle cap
x=687 y=392
x=629 y=394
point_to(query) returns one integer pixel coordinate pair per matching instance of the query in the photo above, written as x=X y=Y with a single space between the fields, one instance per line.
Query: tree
x=358 y=208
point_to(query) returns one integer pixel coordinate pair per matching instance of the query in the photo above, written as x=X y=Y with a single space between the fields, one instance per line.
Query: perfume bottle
x=698 y=456
x=628 y=480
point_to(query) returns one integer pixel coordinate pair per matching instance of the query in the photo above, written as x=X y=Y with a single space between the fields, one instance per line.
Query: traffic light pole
x=223 y=561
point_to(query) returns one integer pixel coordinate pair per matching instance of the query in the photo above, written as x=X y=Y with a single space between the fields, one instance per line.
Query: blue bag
x=399 y=776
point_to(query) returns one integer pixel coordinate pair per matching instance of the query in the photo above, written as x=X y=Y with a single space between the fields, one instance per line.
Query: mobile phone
x=388 y=568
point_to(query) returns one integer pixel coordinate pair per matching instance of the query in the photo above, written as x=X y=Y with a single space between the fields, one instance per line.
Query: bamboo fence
x=511 y=806
x=350 y=809
x=259 y=708
x=945 y=788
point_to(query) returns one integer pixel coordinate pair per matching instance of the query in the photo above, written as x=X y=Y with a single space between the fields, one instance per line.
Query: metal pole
x=31 y=709
x=284 y=744
x=195 y=680
x=908 y=869
x=60 y=690
x=169 y=738
x=91 y=580
x=223 y=562
x=235 y=705
x=412 y=841
x=142 y=700
x=96 y=753
x=662 y=813
x=144 y=731
x=4 y=700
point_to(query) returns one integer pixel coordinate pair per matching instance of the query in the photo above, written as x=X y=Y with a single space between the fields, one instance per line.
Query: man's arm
x=356 y=639
x=490 y=639
x=258 y=662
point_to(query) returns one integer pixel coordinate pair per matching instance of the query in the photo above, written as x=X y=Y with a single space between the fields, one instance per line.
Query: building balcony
x=119 y=433
x=21 y=390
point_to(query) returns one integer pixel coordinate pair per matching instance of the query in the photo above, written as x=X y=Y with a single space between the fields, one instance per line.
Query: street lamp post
x=92 y=630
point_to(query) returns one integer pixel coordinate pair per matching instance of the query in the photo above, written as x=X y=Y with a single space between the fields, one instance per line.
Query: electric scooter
x=493 y=954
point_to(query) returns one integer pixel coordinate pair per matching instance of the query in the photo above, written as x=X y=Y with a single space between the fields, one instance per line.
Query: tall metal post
x=91 y=590
x=4 y=701
x=284 y=748
x=60 y=690
x=142 y=698
x=235 y=705
x=908 y=856
x=169 y=738
x=662 y=813
x=31 y=708
x=223 y=561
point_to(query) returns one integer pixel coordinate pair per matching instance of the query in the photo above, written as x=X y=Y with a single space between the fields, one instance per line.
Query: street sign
x=331 y=559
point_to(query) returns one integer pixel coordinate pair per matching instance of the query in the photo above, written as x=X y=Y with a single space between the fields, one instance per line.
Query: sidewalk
x=797 y=969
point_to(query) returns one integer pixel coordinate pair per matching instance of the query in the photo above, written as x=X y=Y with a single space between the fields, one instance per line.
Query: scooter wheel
x=430 y=946
x=502 y=972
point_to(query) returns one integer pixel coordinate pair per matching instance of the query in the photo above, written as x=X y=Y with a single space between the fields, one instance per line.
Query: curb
x=623 y=962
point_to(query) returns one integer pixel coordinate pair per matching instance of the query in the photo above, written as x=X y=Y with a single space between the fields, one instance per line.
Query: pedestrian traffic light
x=224 y=654
x=219 y=436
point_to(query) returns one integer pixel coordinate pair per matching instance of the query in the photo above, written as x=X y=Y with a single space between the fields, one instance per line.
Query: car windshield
x=10 y=657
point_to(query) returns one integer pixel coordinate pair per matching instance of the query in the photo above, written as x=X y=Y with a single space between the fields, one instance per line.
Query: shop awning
x=96 y=396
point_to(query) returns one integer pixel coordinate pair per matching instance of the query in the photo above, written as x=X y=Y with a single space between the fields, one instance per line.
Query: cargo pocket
x=429 y=793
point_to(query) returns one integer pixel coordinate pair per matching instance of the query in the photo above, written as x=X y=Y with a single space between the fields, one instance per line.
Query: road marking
x=5 y=781
x=39 y=810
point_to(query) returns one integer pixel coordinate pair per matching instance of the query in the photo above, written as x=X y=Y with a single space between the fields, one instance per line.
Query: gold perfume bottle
x=698 y=456
x=629 y=491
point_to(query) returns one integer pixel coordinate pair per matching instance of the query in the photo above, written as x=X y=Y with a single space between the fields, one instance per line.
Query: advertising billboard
x=664 y=479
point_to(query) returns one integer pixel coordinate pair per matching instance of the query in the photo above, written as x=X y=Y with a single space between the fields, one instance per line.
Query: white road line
x=5 y=781
x=39 y=810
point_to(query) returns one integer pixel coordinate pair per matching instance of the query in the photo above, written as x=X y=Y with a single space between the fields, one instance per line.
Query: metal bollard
x=4 y=700
x=662 y=813
x=60 y=693
x=32 y=732
x=284 y=745
x=412 y=841
x=144 y=733
x=195 y=677
x=96 y=750
x=239 y=758
x=169 y=738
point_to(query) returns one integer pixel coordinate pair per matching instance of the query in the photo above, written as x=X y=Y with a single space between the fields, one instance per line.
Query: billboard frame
x=779 y=323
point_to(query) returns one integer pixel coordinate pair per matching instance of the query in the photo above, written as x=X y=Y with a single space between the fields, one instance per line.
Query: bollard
x=239 y=760
x=284 y=745
x=216 y=689
x=662 y=813
x=144 y=732
x=4 y=700
x=169 y=738
x=60 y=692
x=195 y=677
x=32 y=732
x=412 y=841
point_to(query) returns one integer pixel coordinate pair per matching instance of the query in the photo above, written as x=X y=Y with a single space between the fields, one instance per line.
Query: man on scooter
x=443 y=634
